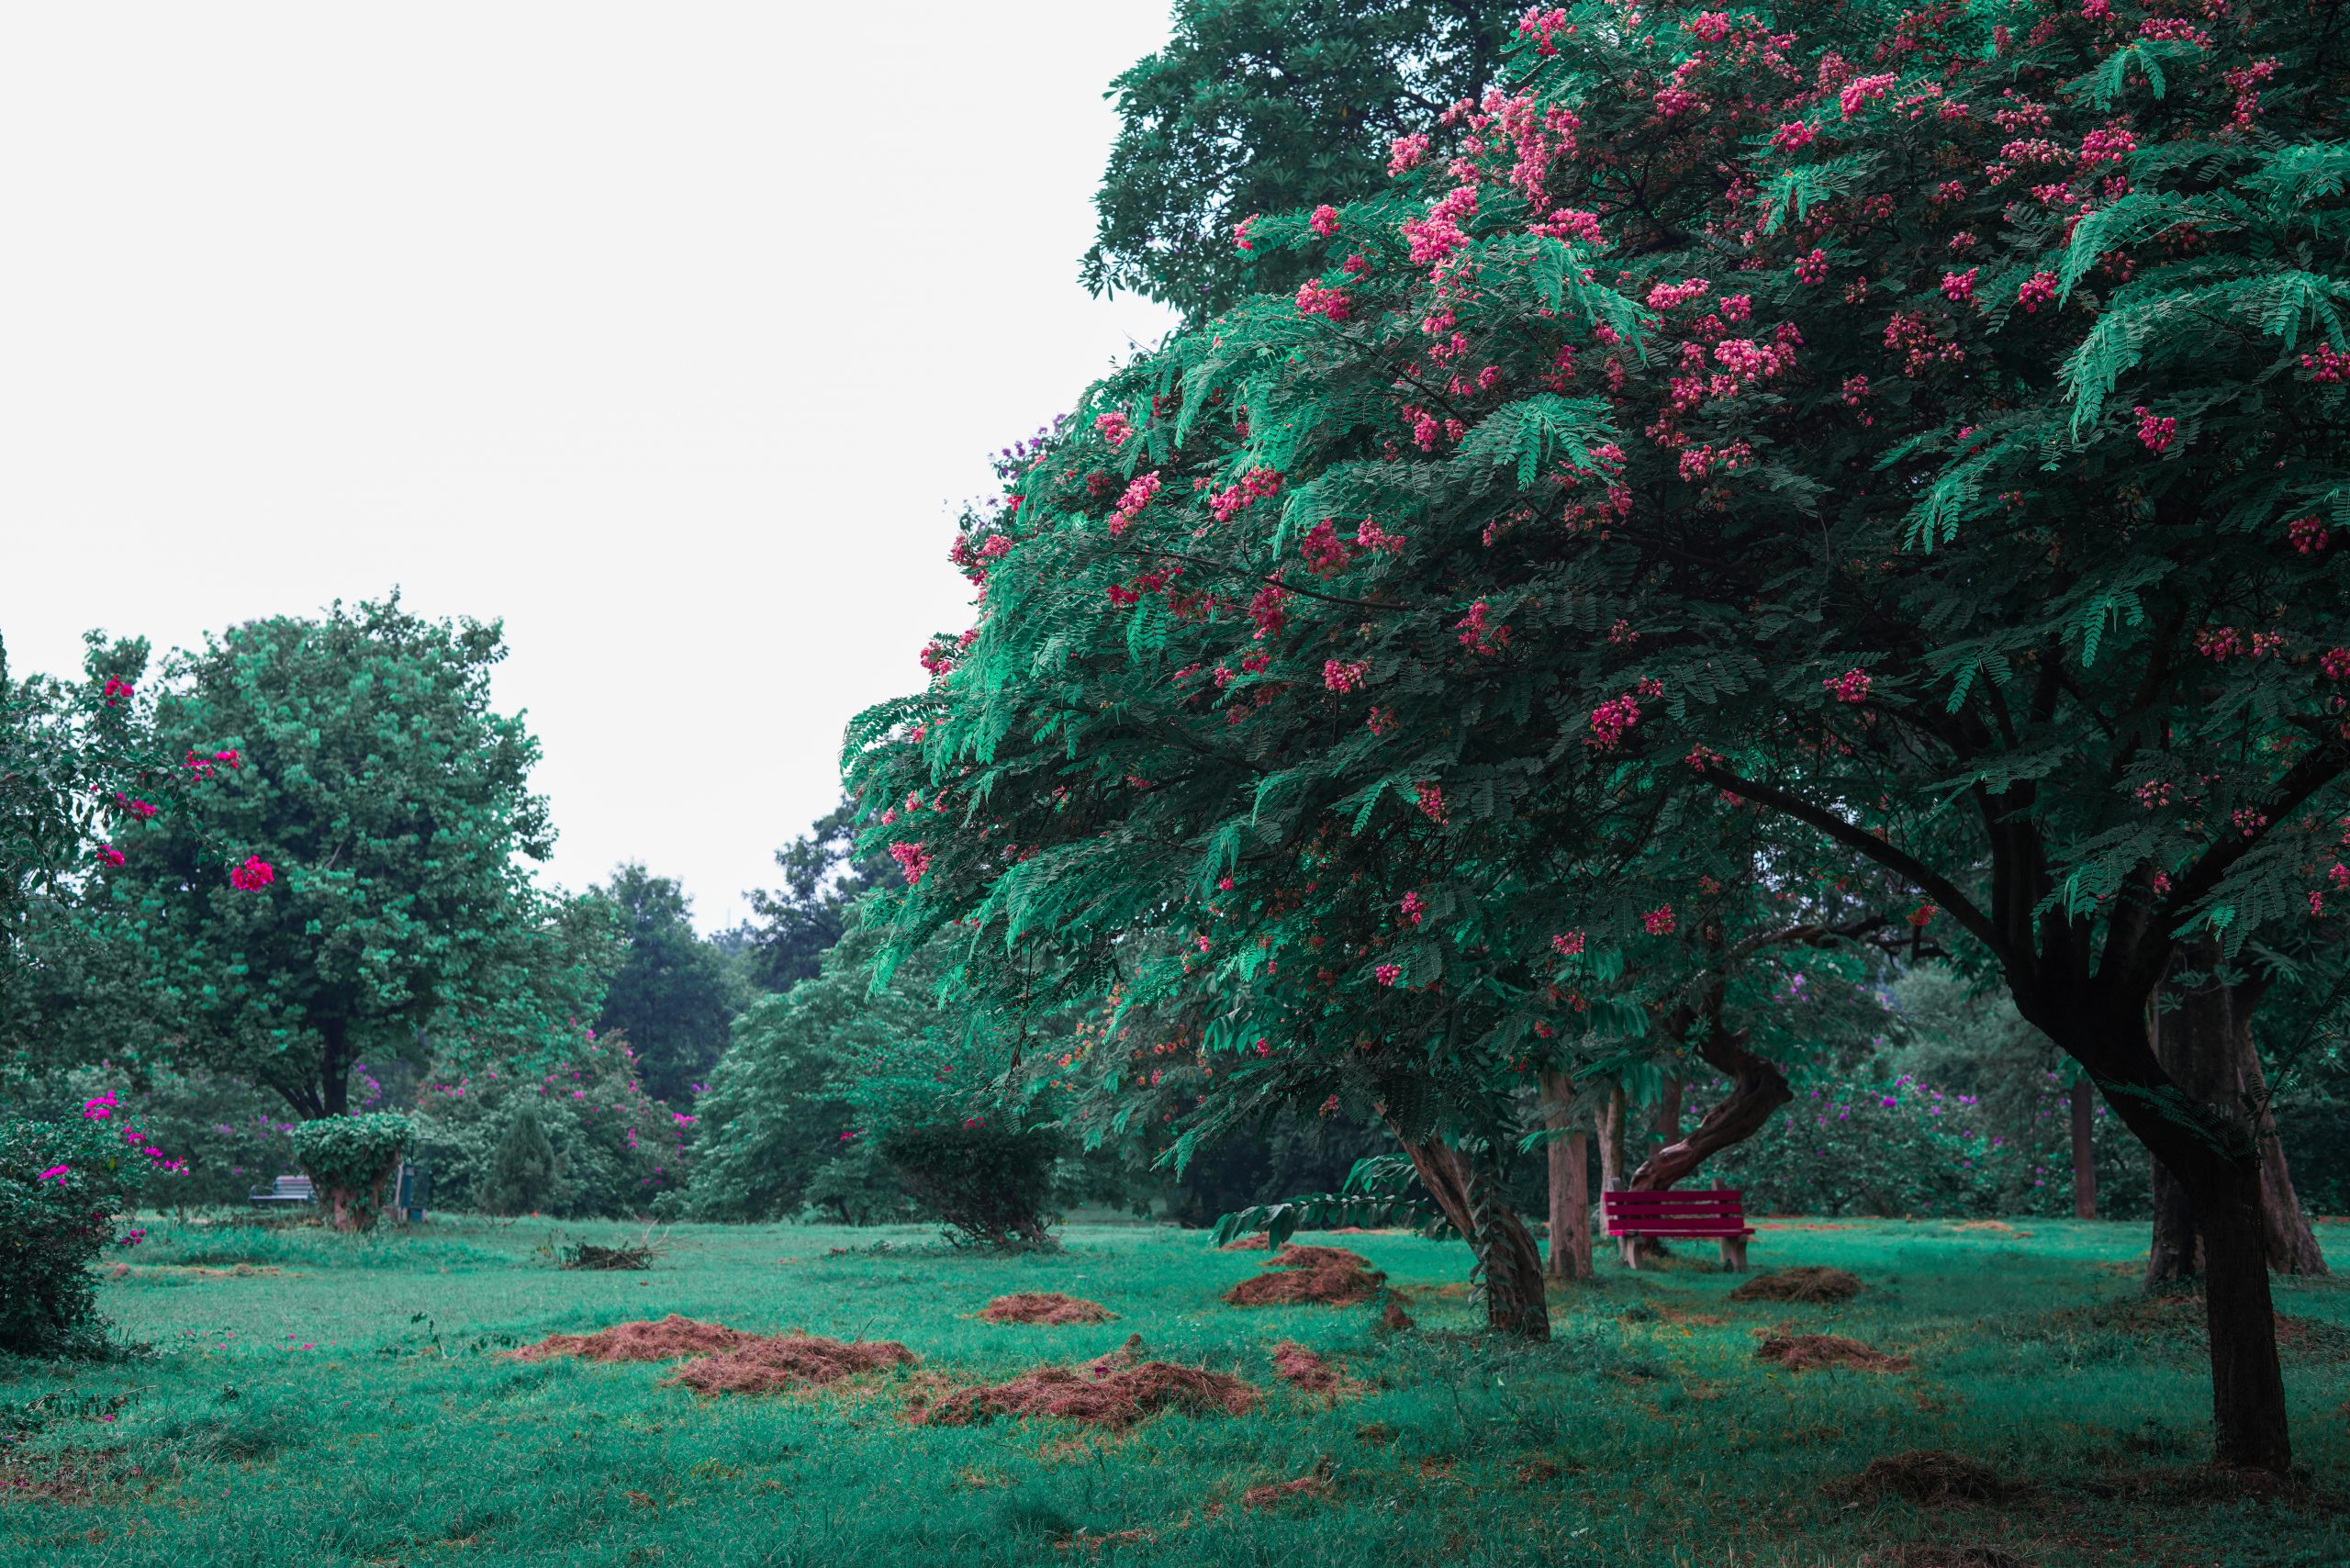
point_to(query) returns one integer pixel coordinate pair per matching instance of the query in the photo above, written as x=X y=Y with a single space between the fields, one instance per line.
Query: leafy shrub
x=350 y=1160
x=521 y=1173
x=61 y=1184
x=986 y=1181
x=616 y=1148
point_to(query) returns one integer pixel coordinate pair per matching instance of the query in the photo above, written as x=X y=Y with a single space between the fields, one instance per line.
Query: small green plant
x=350 y=1160
x=61 y=1184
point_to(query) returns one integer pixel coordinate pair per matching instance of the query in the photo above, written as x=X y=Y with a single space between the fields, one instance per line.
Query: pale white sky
x=667 y=333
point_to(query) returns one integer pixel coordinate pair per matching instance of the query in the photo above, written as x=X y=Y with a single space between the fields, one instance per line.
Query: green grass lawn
x=346 y=1402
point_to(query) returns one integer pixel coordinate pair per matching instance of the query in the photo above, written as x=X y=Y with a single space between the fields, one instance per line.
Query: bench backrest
x=1697 y=1213
x=293 y=1187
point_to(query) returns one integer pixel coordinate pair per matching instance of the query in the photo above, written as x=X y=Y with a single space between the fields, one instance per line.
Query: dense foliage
x=350 y=1161
x=62 y=1184
x=358 y=752
x=674 y=994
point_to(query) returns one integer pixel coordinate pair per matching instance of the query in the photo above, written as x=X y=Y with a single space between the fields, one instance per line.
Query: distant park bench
x=285 y=1190
x=1717 y=1216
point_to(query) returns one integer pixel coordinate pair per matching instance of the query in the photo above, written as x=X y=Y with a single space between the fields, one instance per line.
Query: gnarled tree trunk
x=1757 y=1088
x=1512 y=1263
x=1611 y=1115
x=1570 y=1255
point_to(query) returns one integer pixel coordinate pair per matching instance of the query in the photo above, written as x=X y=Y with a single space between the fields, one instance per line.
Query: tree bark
x=1668 y=1113
x=1611 y=1141
x=2204 y=1042
x=334 y=1070
x=2247 y=1383
x=2084 y=1150
x=1512 y=1263
x=1570 y=1256
x=1757 y=1089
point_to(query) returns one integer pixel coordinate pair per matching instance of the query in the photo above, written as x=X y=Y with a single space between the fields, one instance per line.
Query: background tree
x=1262 y=105
x=795 y=925
x=674 y=994
x=359 y=751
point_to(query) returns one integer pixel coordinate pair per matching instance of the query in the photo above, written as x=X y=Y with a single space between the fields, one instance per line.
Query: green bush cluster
x=615 y=1149
x=988 y=1182
x=61 y=1185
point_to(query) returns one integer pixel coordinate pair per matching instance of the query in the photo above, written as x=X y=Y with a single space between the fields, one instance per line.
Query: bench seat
x=1719 y=1215
x=285 y=1190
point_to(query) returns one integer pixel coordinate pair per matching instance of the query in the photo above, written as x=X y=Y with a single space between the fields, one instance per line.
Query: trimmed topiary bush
x=350 y=1160
x=61 y=1184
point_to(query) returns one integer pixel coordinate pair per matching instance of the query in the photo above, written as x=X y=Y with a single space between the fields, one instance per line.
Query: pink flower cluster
x=1852 y=686
x=2155 y=431
x=1254 y=484
x=108 y=855
x=1138 y=494
x=1861 y=91
x=1369 y=535
x=2037 y=290
x=1338 y=675
x=1406 y=153
x=1959 y=288
x=1612 y=720
x=914 y=861
x=1115 y=428
x=1538 y=25
x=1324 y=221
x=1412 y=910
x=1567 y=945
x=1314 y=300
x=1657 y=922
x=1388 y=974
x=2309 y=535
x=2326 y=365
x=1439 y=233
x=1479 y=637
x=252 y=875
x=116 y=690
x=1794 y=134
x=2336 y=664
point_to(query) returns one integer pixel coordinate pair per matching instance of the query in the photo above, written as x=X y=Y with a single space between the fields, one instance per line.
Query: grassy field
x=315 y=1399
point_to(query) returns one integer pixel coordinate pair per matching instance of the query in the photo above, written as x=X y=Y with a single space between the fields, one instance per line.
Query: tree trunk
x=2084 y=1154
x=1570 y=1256
x=1611 y=1141
x=1757 y=1088
x=334 y=1070
x=1512 y=1263
x=2247 y=1384
x=2174 y=1255
x=1668 y=1113
x=2204 y=1042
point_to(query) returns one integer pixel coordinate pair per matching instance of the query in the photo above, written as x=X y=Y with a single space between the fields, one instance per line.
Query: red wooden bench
x=1717 y=1216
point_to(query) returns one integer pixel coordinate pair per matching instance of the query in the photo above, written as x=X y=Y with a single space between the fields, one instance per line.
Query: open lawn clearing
x=355 y=1406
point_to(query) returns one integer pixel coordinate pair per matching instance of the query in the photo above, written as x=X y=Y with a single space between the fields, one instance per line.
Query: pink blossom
x=1862 y=91
x=1567 y=945
x=1812 y=268
x=2037 y=290
x=1338 y=675
x=1240 y=231
x=1659 y=921
x=2336 y=664
x=1852 y=686
x=253 y=875
x=1115 y=428
x=1792 y=134
x=1412 y=910
x=1959 y=288
x=1324 y=221
x=1406 y=152
x=1612 y=720
x=1314 y=300
x=912 y=859
x=2310 y=536
x=2155 y=431
x=108 y=855
x=1388 y=974
x=54 y=1173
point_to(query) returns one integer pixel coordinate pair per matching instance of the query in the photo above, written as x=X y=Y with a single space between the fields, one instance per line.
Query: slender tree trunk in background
x=2290 y=1244
x=1611 y=1141
x=1668 y=1113
x=1512 y=1264
x=2084 y=1152
x=2206 y=1043
x=1570 y=1257
x=334 y=1071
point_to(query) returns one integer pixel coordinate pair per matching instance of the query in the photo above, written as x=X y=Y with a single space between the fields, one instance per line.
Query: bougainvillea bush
x=1924 y=427
x=66 y=1189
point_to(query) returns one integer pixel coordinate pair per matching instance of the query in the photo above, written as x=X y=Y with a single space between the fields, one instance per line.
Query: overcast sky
x=669 y=334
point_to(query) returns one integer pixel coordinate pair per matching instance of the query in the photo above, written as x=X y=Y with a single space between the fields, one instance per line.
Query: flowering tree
x=1924 y=426
x=358 y=750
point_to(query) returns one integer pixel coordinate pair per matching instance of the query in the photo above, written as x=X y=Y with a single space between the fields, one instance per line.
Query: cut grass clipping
x=1112 y=1392
x=1048 y=1307
x=788 y=1362
x=1331 y=1276
x=668 y=1340
x=1930 y=1475
x=1810 y=1352
x=1293 y=1363
x=1799 y=1284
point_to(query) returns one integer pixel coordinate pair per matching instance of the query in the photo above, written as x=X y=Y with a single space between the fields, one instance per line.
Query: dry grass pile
x=1050 y=1307
x=1107 y=1393
x=1930 y=1475
x=1329 y=1276
x=1804 y=1283
x=1293 y=1363
x=1259 y=1242
x=1810 y=1352
x=1395 y=1319
x=1965 y=1555
x=789 y=1361
x=664 y=1341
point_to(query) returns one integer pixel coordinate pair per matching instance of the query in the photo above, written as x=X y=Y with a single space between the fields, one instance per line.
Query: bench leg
x=1734 y=1253
x=1630 y=1247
